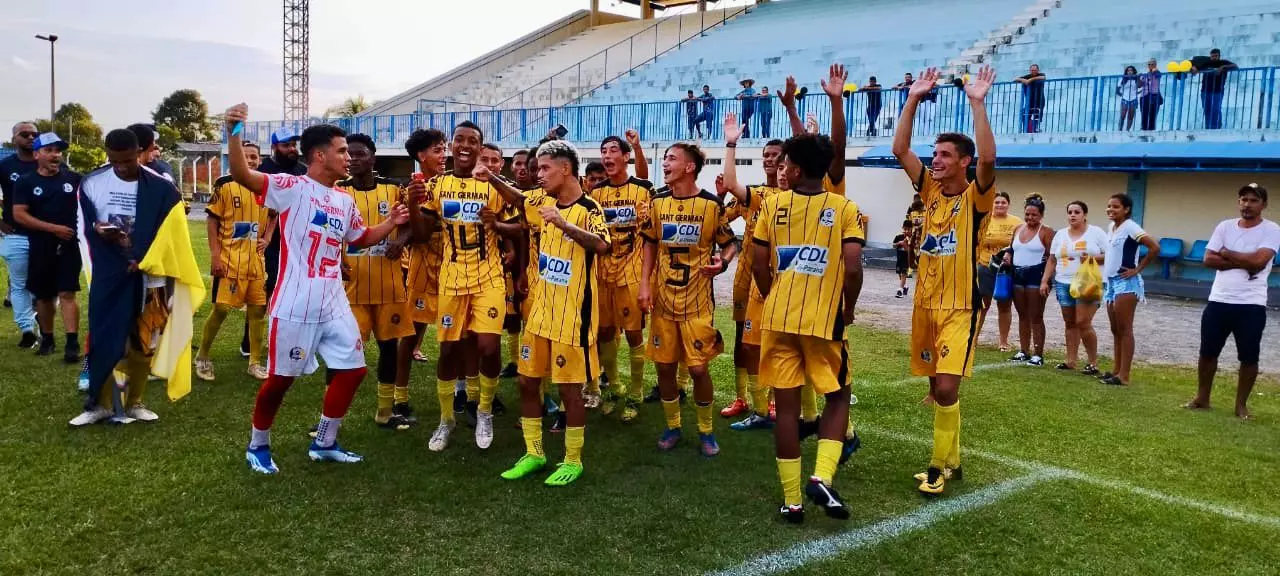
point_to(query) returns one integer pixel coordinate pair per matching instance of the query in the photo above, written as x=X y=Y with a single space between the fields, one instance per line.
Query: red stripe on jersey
x=283 y=265
x=271 y=349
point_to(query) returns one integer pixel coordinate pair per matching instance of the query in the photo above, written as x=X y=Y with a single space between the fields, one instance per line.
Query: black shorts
x=54 y=268
x=986 y=281
x=1027 y=276
x=903 y=263
x=1244 y=321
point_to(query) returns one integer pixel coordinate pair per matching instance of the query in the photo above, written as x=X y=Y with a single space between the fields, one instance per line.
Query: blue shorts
x=1065 y=299
x=1116 y=286
x=1028 y=276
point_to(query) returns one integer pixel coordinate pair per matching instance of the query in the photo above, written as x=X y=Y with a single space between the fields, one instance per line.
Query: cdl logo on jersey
x=944 y=245
x=555 y=270
x=461 y=210
x=620 y=215
x=324 y=220
x=803 y=259
x=681 y=233
x=241 y=230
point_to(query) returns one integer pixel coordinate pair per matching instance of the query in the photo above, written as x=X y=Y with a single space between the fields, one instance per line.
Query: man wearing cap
x=14 y=247
x=44 y=203
x=748 y=98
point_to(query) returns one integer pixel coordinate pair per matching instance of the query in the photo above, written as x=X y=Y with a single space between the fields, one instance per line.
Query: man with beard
x=14 y=247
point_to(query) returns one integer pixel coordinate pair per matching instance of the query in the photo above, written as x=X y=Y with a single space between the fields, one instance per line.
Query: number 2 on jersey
x=327 y=264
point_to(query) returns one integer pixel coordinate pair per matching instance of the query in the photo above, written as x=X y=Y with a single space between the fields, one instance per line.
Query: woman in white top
x=1030 y=245
x=1122 y=272
x=1071 y=245
x=1128 y=91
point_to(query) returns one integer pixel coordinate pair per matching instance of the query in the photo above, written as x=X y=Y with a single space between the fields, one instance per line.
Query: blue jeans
x=15 y=250
x=1212 y=109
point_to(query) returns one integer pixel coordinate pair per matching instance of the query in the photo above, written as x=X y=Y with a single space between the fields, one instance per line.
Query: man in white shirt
x=1242 y=250
x=310 y=313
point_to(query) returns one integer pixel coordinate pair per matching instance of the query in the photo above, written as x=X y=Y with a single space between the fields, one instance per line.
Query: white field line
x=874 y=534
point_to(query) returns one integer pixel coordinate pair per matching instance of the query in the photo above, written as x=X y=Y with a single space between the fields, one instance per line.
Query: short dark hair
x=362 y=139
x=695 y=153
x=520 y=152
x=1215 y=51
x=492 y=146
x=121 y=139
x=811 y=152
x=1254 y=189
x=964 y=144
x=774 y=142
x=1125 y=201
x=471 y=125
x=1034 y=201
x=318 y=137
x=1083 y=207
x=906 y=223
x=1003 y=194
x=561 y=150
x=253 y=145
x=146 y=134
x=593 y=167
x=422 y=139
x=622 y=144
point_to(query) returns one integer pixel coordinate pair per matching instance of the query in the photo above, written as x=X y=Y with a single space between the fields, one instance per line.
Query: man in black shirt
x=1213 y=83
x=14 y=248
x=1033 y=98
x=874 y=102
x=44 y=203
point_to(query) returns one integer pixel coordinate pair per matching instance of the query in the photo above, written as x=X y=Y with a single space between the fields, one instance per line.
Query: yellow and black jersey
x=472 y=261
x=375 y=278
x=952 y=229
x=624 y=212
x=240 y=221
x=565 y=298
x=686 y=231
x=749 y=211
x=534 y=200
x=805 y=235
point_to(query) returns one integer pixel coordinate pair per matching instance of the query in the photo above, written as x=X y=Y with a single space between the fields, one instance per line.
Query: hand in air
x=927 y=80
x=833 y=85
x=978 y=86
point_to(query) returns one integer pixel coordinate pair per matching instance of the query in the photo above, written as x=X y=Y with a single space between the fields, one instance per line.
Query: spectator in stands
x=764 y=107
x=747 y=96
x=691 y=111
x=1242 y=251
x=903 y=87
x=1128 y=90
x=1030 y=246
x=872 y=89
x=1124 y=289
x=1032 y=98
x=992 y=246
x=1071 y=245
x=1150 y=100
x=708 y=106
x=1213 y=84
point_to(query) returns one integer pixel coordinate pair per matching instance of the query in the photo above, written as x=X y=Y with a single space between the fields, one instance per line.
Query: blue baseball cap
x=283 y=135
x=48 y=139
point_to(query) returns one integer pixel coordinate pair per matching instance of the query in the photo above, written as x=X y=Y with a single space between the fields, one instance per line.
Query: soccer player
x=747 y=300
x=310 y=314
x=559 y=340
x=491 y=158
x=594 y=174
x=625 y=201
x=685 y=226
x=376 y=289
x=471 y=280
x=808 y=265
x=235 y=220
x=44 y=203
x=943 y=338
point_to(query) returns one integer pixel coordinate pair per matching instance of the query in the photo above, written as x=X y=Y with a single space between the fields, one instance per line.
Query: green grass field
x=1063 y=476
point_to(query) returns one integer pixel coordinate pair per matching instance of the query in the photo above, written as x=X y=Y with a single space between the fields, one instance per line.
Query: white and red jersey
x=315 y=221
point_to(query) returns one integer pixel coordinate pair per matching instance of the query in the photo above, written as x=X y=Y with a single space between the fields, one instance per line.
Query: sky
x=121 y=57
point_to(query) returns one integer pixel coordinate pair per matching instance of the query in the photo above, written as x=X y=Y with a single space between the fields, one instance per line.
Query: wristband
x=731 y=145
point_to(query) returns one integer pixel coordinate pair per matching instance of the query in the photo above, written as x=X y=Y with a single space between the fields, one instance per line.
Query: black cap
x=1253 y=188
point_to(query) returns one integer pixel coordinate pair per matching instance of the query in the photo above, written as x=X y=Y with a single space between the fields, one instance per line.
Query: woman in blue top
x=1122 y=273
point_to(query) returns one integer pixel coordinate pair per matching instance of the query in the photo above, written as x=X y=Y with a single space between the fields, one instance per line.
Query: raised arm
x=833 y=85
x=977 y=90
x=255 y=181
x=637 y=152
x=510 y=194
x=788 y=98
x=906 y=121
x=732 y=132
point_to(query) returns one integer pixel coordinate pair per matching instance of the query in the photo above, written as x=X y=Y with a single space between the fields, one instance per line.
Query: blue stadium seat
x=1170 y=251
x=1197 y=251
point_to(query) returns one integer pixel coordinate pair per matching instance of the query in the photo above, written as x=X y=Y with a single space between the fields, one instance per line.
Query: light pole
x=51 y=38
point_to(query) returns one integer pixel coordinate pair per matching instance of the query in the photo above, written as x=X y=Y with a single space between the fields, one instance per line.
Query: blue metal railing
x=1087 y=105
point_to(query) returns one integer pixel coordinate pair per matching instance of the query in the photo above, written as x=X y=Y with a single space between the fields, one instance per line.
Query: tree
x=83 y=159
x=73 y=122
x=169 y=137
x=349 y=107
x=186 y=112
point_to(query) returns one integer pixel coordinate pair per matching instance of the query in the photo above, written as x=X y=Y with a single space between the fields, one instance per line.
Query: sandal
x=1064 y=366
x=1113 y=381
x=1090 y=370
x=1004 y=348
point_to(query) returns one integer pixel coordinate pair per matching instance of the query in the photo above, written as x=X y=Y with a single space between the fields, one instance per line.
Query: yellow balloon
x=1186 y=66
x=1174 y=66
x=966 y=78
x=850 y=87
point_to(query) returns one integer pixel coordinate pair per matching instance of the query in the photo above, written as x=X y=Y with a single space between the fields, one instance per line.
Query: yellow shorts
x=751 y=332
x=481 y=313
x=384 y=321
x=563 y=363
x=788 y=360
x=237 y=293
x=943 y=341
x=422 y=308
x=694 y=341
x=620 y=308
x=741 y=295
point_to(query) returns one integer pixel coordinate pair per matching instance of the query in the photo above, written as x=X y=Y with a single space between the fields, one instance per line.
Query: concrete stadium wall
x=1188 y=205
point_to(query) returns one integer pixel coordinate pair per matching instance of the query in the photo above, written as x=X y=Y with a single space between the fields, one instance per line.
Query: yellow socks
x=386 y=397
x=828 y=458
x=211 y=326
x=574 y=436
x=257 y=318
x=444 y=392
x=635 y=387
x=488 y=387
x=671 y=408
x=513 y=348
x=946 y=430
x=609 y=362
x=759 y=395
x=401 y=395
x=953 y=457
x=789 y=475
x=705 y=422
x=808 y=403
x=473 y=388
x=682 y=378
x=740 y=383
x=532 y=429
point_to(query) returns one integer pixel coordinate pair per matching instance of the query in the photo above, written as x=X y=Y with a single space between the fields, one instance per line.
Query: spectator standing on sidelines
x=748 y=98
x=902 y=251
x=764 y=107
x=995 y=241
x=874 y=102
x=1071 y=245
x=1122 y=272
x=1213 y=84
x=1030 y=245
x=44 y=203
x=1151 y=100
x=15 y=247
x=1032 y=98
x=691 y=111
x=902 y=88
x=1242 y=250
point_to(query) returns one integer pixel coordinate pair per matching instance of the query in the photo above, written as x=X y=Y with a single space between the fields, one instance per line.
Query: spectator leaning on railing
x=1033 y=98
x=764 y=107
x=873 y=104
x=1150 y=100
x=691 y=111
x=1213 y=84
x=747 y=96
x=1128 y=90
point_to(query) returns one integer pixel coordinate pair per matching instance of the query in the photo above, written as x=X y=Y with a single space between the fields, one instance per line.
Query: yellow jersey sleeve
x=983 y=200
x=851 y=225
x=219 y=206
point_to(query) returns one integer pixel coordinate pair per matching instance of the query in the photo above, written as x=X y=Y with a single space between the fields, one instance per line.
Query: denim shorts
x=1116 y=286
x=1028 y=276
x=1065 y=299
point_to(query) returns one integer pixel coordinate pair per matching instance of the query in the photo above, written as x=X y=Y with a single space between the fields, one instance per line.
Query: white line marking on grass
x=874 y=534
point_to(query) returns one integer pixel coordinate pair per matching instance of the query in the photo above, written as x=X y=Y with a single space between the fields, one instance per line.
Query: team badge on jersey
x=383 y=209
x=926 y=356
x=467 y=211
x=420 y=304
x=66 y=187
x=241 y=230
x=526 y=352
x=681 y=233
x=657 y=341
x=746 y=326
x=803 y=259
x=38 y=191
x=493 y=312
x=945 y=350
x=395 y=318
x=13 y=176
x=828 y=217
x=560 y=361
x=296 y=353
x=557 y=271
x=446 y=321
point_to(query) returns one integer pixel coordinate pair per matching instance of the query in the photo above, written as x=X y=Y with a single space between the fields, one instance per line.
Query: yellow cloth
x=171 y=256
x=946 y=435
x=808 y=403
x=789 y=475
x=828 y=458
x=488 y=387
x=671 y=408
x=759 y=395
x=444 y=393
x=740 y=383
x=635 y=389
x=609 y=363
x=532 y=430
x=705 y=421
x=574 y=437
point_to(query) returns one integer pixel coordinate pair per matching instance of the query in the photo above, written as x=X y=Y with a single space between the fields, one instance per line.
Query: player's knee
x=67 y=296
x=698 y=371
x=487 y=345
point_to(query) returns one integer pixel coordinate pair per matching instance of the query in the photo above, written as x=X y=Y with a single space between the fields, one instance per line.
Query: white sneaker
x=258 y=371
x=90 y=417
x=204 y=369
x=484 y=430
x=140 y=412
x=440 y=438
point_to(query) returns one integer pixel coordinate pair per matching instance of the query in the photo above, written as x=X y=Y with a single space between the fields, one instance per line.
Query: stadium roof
x=1127 y=156
x=664 y=4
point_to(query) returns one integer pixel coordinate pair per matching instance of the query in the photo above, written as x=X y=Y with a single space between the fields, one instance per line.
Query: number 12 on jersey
x=328 y=262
